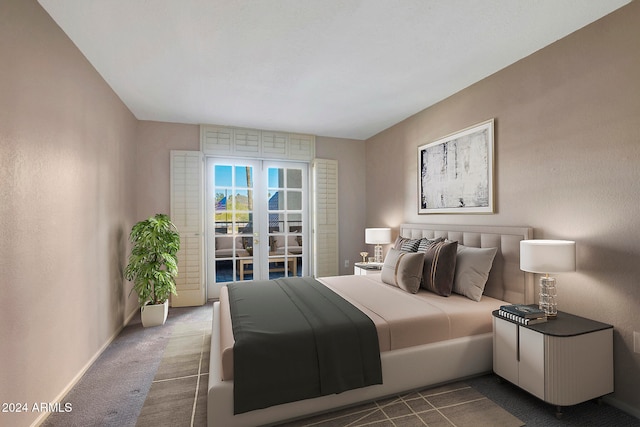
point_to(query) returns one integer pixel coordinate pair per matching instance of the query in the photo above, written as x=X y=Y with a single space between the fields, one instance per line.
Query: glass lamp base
x=378 y=253
x=548 y=295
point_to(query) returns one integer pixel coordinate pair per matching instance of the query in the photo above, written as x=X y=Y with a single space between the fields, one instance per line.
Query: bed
x=458 y=345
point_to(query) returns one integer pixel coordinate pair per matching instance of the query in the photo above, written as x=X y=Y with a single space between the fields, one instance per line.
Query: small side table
x=563 y=361
x=364 y=268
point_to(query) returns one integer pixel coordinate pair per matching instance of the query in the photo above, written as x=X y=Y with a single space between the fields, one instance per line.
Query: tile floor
x=450 y=405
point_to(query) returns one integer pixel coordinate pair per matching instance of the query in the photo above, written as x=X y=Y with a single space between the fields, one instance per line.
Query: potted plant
x=153 y=266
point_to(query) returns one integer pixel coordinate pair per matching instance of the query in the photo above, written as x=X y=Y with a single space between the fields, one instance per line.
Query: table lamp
x=377 y=236
x=548 y=256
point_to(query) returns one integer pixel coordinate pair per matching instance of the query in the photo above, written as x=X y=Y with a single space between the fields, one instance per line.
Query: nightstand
x=563 y=361
x=364 y=268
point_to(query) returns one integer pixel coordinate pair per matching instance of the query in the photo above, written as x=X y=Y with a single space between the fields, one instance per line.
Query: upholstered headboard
x=506 y=281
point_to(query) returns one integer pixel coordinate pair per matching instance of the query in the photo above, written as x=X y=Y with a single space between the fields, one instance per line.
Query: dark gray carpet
x=535 y=413
x=113 y=390
x=178 y=394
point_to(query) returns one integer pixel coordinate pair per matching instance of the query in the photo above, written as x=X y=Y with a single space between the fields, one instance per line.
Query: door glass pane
x=247 y=245
x=224 y=270
x=244 y=177
x=245 y=269
x=294 y=178
x=276 y=178
x=276 y=200
x=294 y=200
x=295 y=247
x=222 y=216
x=294 y=221
x=223 y=175
x=276 y=222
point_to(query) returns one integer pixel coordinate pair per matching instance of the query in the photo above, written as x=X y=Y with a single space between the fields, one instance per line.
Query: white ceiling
x=343 y=68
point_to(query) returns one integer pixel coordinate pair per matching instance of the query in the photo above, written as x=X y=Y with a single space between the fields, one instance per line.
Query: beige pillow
x=472 y=270
x=403 y=269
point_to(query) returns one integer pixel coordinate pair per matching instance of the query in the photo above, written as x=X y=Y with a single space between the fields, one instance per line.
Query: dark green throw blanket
x=296 y=339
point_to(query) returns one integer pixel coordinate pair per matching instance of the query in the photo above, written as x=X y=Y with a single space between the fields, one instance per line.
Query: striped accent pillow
x=425 y=243
x=414 y=245
x=410 y=245
x=440 y=267
x=407 y=245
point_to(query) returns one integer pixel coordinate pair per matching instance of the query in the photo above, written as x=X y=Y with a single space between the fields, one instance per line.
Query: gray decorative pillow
x=439 y=267
x=405 y=244
x=425 y=243
x=472 y=270
x=414 y=245
x=403 y=269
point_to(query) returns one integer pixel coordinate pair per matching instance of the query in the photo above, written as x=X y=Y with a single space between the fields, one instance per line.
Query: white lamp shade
x=547 y=256
x=377 y=236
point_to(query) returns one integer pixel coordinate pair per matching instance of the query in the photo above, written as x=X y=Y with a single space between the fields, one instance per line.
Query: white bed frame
x=405 y=369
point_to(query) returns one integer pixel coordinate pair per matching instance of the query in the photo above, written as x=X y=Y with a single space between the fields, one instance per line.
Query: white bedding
x=401 y=319
x=404 y=320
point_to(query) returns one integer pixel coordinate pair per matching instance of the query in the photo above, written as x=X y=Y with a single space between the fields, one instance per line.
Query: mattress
x=402 y=320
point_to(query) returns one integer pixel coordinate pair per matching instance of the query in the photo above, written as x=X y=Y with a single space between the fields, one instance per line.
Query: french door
x=257 y=220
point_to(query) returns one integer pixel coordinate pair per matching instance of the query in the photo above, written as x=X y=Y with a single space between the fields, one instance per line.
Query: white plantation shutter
x=187 y=214
x=274 y=145
x=255 y=143
x=246 y=142
x=216 y=140
x=325 y=217
x=302 y=147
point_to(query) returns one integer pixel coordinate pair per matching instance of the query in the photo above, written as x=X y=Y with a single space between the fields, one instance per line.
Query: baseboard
x=128 y=319
x=59 y=398
x=624 y=407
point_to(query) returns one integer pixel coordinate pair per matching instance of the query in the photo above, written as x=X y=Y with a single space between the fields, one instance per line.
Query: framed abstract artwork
x=456 y=172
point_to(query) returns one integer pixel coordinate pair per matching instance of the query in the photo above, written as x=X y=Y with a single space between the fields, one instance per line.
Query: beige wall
x=567 y=124
x=66 y=206
x=155 y=140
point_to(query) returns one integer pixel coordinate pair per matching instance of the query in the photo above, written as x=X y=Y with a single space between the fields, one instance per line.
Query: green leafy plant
x=153 y=265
